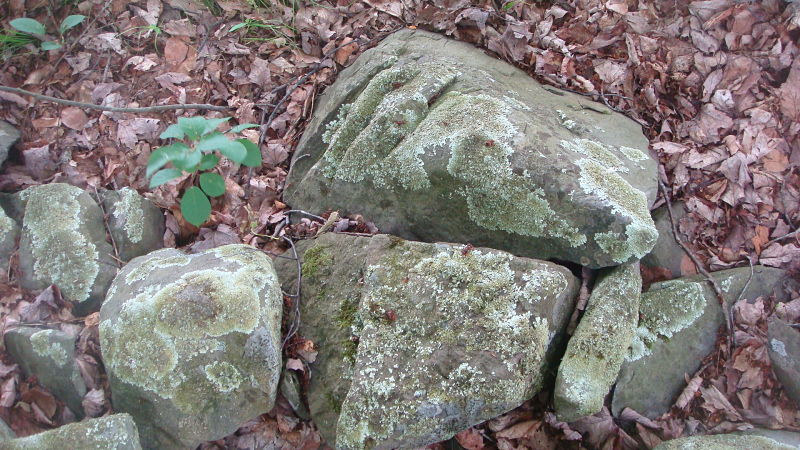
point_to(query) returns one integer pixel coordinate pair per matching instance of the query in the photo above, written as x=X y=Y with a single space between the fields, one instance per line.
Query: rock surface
x=192 y=343
x=784 y=353
x=6 y=433
x=599 y=345
x=9 y=232
x=420 y=341
x=433 y=140
x=8 y=136
x=790 y=438
x=135 y=223
x=115 y=432
x=667 y=253
x=723 y=442
x=63 y=242
x=50 y=356
x=677 y=329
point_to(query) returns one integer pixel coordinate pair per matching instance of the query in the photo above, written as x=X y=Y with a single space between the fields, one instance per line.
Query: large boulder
x=420 y=341
x=723 y=442
x=63 y=242
x=9 y=232
x=433 y=140
x=784 y=353
x=192 y=343
x=115 y=432
x=50 y=356
x=597 y=349
x=135 y=223
x=8 y=136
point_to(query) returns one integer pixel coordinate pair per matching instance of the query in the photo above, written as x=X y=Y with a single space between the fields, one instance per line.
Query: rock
x=420 y=341
x=9 y=232
x=135 y=223
x=115 y=432
x=192 y=343
x=784 y=353
x=597 y=349
x=13 y=205
x=290 y=389
x=790 y=438
x=433 y=140
x=677 y=329
x=50 y=356
x=667 y=253
x=6 y=433
x=723 y=442
x=8 y=136
x=63 y=242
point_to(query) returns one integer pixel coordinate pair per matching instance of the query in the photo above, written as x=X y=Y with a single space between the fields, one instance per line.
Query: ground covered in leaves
x=715 y=85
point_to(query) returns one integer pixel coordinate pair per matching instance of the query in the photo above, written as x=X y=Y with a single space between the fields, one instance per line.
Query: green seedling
x=35 y=28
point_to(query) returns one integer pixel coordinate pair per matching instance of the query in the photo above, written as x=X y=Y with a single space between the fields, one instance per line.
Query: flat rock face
x=9 y=232
x=678 y=326
x=433 y=140
x=63 y=242
x=667 y=253
x=784 y=353
x=192 y=343
x=135 y=223
x=115 y=432
x=8 y=136
x=50 y=356
x=723 y=442
x=420 y=341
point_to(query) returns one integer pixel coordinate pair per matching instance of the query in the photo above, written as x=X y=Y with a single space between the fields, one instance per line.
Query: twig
x=583 y=299
x=780 y=238
x=306 y=214
x=295 y=323
x=145 y=109
x=108 y=228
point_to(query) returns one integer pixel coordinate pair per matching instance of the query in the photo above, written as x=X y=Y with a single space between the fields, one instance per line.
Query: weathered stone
x=13 y=205
x=63 y=242
x=433 y=140
x=8 y=136
x=597 y=349
x=115 y=432
x=723 y=442
x=420 y=341
x=9 y=232
x=790 y=438
x=6 y=433
x=290 y=389
x=678 y=328
x=135 y=223
x=192 y=343
x=784 y=353
x=667 y=253
x=50 y=356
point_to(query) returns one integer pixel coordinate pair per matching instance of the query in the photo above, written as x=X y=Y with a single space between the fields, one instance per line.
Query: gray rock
x=678 y=328
x=8 y=136
x=63 y=242
x=667 y=253
x=115 y=432
x=6 y=433
x=433 y=140
x=50 y=356
x=597 y=349
x=723 y=442
x=420 y=341
x=290 y=389
x=784 y=353
x=13 y=205
x=790 y=438
x=135 y=223
x=9 y=232
x=192 y=343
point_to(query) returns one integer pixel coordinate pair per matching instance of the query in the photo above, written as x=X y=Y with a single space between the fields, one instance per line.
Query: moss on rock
x=723 y=442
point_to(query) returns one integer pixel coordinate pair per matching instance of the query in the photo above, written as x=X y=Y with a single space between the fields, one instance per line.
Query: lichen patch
x=129 y=211
x=42 y=344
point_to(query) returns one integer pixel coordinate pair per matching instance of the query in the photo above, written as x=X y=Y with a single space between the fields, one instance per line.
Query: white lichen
x=44 y=346
x=128 y=210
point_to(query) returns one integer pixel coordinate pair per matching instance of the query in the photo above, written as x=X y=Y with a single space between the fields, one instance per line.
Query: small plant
x=196 y=151
x=256 y=30
x=35 y=28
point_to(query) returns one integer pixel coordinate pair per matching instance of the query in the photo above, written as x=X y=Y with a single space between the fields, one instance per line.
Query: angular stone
x=678 y=328
x=115 y=432
x=723 y=442
x=50 y=356
x=192 y=343
x=667 y=253
x=63 y=242
x=597 y=349
x=420 y=341
x=135 y=223
x=8 y=136
x=9 y=232
x=784 y=353
x=290 y=389
x=433 y=140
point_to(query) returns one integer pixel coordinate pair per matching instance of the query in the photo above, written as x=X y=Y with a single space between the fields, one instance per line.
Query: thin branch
x=780 y=238
x=145 y=109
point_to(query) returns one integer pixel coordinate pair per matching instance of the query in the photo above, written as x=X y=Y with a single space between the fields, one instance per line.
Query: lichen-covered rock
x=597 y=349
x=9 y=232
x=678 y=326
x=50 y=356
x=135 y=223
x=63 y=242
x=420 y=341
x=433 y=140
x=790 y=438
x=8 y=136
x=723 y=442
x=115 y=432
x=784 y=353
x=667 y=253
x=191 y=343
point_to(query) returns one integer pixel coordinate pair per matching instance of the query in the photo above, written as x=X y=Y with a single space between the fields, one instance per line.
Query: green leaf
x=50 y=45
x=217 y=141
x=70 y=22
x=188 y=160
x=509 y=5
x=195 y=127
x=209 y=161
x=28 y=25
x=161 y=156
x=163 y=176
x=253 y=158
x=244 y=126
x=195 y=206
x=237 y=26
x=172 y=131
x=212 y=184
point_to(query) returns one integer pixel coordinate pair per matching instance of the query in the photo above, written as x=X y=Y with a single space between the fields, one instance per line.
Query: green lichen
x=6 y=223
x=154 y=263
x=128 y=210
x=223 y=376
x=634 y=154
x=44 y=346
x=116 y=432
x=315 y=259
x=723 y=442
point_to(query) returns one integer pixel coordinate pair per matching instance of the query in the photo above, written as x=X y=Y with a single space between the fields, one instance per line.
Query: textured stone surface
x=115 y=432
x=599 y=345
x=791 y=438
x=8 y=136
x=678 y=326
x=50 y=356
x=420 y=341
x=135 y=223
x=191 y=343
x=63 y=242
x=667 y=253
x=784 y=353
x=433 y=140
x=9 y=232
x=723 y=442
x=6 y=433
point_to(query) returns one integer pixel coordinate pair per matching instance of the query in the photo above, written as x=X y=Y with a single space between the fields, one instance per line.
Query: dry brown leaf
x=470 y=439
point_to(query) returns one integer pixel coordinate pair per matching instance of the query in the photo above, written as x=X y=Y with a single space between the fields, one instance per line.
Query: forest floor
x=715 y=85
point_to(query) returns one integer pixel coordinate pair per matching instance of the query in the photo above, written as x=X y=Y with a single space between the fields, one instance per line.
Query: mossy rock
x=192 y=343
x=63 y=242
x=9 y=232
x=723 y=442
x=420 y=341
x=50 y=356
x=597 y=349
x=115 y=432
x=135 y=223
x=433 y=140
x=8 y=136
